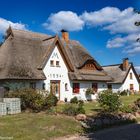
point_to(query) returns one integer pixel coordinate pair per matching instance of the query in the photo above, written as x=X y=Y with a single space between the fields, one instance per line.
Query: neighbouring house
x=124 y=76
x=59 y=65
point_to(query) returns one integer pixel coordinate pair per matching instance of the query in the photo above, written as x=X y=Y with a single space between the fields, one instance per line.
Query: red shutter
x=76 y=87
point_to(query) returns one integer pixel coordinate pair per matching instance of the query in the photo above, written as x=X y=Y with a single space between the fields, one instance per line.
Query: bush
x=137 y=104
x=89 y=91
x=70 y=109
x=109 y=101
x=74 y=109
x=123 y=93
x=127 y=109
x=30 y=99
x=74 y=100
x=51 y=100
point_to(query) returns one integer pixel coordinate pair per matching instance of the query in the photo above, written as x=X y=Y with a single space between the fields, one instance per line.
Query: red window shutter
x=76 y=88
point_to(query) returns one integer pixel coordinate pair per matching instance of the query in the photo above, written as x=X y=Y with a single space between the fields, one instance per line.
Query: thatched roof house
x=58 y=63
x=24 y=54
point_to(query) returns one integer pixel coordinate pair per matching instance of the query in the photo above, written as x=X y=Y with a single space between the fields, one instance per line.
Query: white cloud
x=4 y=24
x=115 y=43
x=64 y=20
x=102 y=17
x=137 y=69
x=124 y=23
x=113 y=19
x=119 y=23
x=129 y=41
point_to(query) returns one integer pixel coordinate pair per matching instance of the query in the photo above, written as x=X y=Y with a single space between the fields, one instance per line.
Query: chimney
x=65 y=35
x=125 y=64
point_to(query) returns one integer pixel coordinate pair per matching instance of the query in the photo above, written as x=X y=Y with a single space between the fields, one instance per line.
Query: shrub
x=109 y=101
x=127 y=109
x=89 y=91
x=123 y=93
x=74 y=109
x=74 y=100
x=51 y=100
x=137 y=102
x=30 y=99
x=70 y=109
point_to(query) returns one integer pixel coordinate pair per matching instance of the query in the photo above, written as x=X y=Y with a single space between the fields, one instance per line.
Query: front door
x=55 y=88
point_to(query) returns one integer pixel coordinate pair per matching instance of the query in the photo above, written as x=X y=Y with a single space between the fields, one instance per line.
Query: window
x=43 y=86
x=131 y=87
x=52 y=63
x=131 y=76
x=33 y=85
x=57 y=63
x=109 y=86
x=66 y=87
x=95 y=87
x=76 y=87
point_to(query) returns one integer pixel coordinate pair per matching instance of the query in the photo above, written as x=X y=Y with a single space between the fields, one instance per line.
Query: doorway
x=55 y=88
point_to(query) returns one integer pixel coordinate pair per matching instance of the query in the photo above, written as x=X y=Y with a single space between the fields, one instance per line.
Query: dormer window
x=52 y=63
x=57 y=64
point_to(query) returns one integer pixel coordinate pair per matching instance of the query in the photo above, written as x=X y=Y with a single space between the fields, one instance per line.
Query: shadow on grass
x=102 y=121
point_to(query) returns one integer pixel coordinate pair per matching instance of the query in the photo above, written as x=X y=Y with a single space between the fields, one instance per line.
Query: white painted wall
x=128 y=81
x=57 y=73
x=61 y=73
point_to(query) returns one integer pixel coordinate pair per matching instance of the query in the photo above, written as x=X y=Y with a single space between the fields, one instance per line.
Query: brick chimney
x=125 y=64
x=65 y=35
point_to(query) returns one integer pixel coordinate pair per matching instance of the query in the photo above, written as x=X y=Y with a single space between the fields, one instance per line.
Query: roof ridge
x=49 y=38
x=29 y=31
x=112 y=65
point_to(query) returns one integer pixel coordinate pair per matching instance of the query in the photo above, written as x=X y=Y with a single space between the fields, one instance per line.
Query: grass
x=93 y=107
x=40 y=126
x=127 y=100
x=37 y=126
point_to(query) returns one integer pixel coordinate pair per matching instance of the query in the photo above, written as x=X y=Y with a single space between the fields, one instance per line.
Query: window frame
x=66 y=86
x=52 y=63
x=131 y=75
x=109 y=86
x=95 y=87
x=58 y=65
x=131 y=87
x=76 y=88
x=33 y=85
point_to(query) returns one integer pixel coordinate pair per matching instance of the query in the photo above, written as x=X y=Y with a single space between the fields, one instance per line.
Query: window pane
x=95 y=87
x=76 y=87
x=52 y=63
x=57 y=63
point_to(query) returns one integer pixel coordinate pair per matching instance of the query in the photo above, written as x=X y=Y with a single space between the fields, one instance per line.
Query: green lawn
x=37 y=126
x=129 y=99
x=41 y=126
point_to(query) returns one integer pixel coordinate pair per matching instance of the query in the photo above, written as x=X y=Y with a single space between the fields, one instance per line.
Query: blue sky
x=104 y=27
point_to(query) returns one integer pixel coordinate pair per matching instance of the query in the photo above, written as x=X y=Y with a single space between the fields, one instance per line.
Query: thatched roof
x=117 y=73
x=24 y=54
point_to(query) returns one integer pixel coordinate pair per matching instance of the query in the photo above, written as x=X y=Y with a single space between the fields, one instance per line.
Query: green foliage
x=74 y=100
x=137 y=103
x=109 y=101
x=89 y=91
x=51 y=100
x=30 y=99
x=74 y=109
x=123 y=93
x=127 y=109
